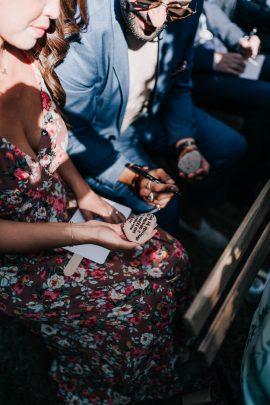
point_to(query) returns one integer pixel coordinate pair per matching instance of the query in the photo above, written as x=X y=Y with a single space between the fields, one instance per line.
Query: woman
x=111 y=326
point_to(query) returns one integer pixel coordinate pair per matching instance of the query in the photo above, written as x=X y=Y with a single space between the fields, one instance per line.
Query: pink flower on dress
x=59 y=260
x=18 y=288
x=97 y=294
x=59 y=205
x=9 y=155
x=116 y=336
x=46 y=102
x=43 y=275
x=51 y=295
x=91 y=321
x=129 y=289
x=98 y=273
x=98 y=337
x=17 y=151
x=149 y=255
x=179 y=252
x=136 y=352
x=25 y=278
x=135 y=320
x=21 y=174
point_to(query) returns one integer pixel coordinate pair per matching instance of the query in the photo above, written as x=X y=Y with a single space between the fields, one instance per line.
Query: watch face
x=190 y=162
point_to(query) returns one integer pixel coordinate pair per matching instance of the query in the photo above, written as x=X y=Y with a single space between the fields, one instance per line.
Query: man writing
x=129 y=99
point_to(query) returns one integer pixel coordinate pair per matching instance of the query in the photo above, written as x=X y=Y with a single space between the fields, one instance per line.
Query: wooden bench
x=213 y=309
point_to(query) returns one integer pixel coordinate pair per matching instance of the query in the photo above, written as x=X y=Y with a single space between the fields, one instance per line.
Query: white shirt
x=142 y=57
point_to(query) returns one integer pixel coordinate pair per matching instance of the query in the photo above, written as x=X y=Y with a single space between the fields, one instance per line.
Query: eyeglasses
x=175 y=10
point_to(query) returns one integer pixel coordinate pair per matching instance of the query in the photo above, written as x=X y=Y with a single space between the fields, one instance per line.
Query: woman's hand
x=157 y=195
x=110 y=236
x=91 y=205
x=161 y=193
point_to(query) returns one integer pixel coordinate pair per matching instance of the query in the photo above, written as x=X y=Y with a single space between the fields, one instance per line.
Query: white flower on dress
x=114 y=295
x=132 y=270
x=120 y=311
x=78 y=369
x=45 y=161
x=57 y=304
x=26 y=207
x=140 y=284
x=55 y=281
x=155 y=272
x=48 y=330
x=75 y=400
x=41 y=213
x=79 y=275
x=146 y=339
x=33 y=306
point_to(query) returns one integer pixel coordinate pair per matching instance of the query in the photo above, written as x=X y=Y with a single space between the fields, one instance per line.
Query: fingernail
x=139 y=248
x=174 y=189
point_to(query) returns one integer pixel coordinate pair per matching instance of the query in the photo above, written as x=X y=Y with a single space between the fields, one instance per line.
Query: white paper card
x=253 y=68
x=94 y=252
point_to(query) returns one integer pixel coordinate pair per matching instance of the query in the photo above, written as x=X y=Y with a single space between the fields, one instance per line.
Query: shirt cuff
x=112 y=174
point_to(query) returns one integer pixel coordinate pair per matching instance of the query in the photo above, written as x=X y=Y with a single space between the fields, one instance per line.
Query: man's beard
x=133 y=26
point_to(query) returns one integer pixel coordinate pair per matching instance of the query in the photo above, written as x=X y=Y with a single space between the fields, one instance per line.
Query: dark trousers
x=247 y=98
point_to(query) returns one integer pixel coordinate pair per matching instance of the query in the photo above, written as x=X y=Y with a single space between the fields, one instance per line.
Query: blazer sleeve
x=81 y=80
x=221 y=26
x=177 y=115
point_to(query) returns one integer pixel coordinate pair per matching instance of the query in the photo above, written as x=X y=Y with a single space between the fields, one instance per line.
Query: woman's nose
x=52 y=9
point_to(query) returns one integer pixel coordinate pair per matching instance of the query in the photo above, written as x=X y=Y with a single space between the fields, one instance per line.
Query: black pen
x=145 y=174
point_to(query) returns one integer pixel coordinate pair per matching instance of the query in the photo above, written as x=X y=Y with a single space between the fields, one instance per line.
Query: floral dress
x=111 y=327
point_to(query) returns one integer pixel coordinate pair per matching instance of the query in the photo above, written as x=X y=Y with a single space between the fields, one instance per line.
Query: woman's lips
x=40 y=31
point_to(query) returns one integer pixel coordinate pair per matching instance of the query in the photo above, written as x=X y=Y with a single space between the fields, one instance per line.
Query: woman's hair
x=51 y=49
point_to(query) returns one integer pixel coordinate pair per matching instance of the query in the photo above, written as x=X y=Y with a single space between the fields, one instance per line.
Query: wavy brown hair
x=51 y=49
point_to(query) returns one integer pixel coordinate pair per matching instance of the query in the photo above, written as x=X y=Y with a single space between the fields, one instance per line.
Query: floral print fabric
x=112 y=326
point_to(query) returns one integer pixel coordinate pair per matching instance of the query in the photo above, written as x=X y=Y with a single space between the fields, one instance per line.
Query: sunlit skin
x=22 y=23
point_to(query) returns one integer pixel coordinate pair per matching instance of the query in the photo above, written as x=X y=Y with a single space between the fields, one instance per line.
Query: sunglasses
x=175 y=10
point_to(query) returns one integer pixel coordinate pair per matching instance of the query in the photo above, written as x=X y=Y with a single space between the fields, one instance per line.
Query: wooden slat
x=218 y=329
x=209 y=294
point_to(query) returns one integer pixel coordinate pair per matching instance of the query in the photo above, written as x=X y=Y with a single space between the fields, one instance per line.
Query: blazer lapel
x=121 y=64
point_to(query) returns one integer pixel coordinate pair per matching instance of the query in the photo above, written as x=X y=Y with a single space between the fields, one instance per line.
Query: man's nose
x=158 y=15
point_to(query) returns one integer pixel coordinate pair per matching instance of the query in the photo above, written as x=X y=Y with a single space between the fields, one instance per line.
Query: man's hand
x=91 y=206
x=249 y=47
x=202 y=171
x=230 y=62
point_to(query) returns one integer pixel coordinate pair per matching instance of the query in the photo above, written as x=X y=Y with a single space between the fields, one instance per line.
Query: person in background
x=255 y=373
x=141 y=109
x=220 y=58
x=248 y=14
x=113 y=328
